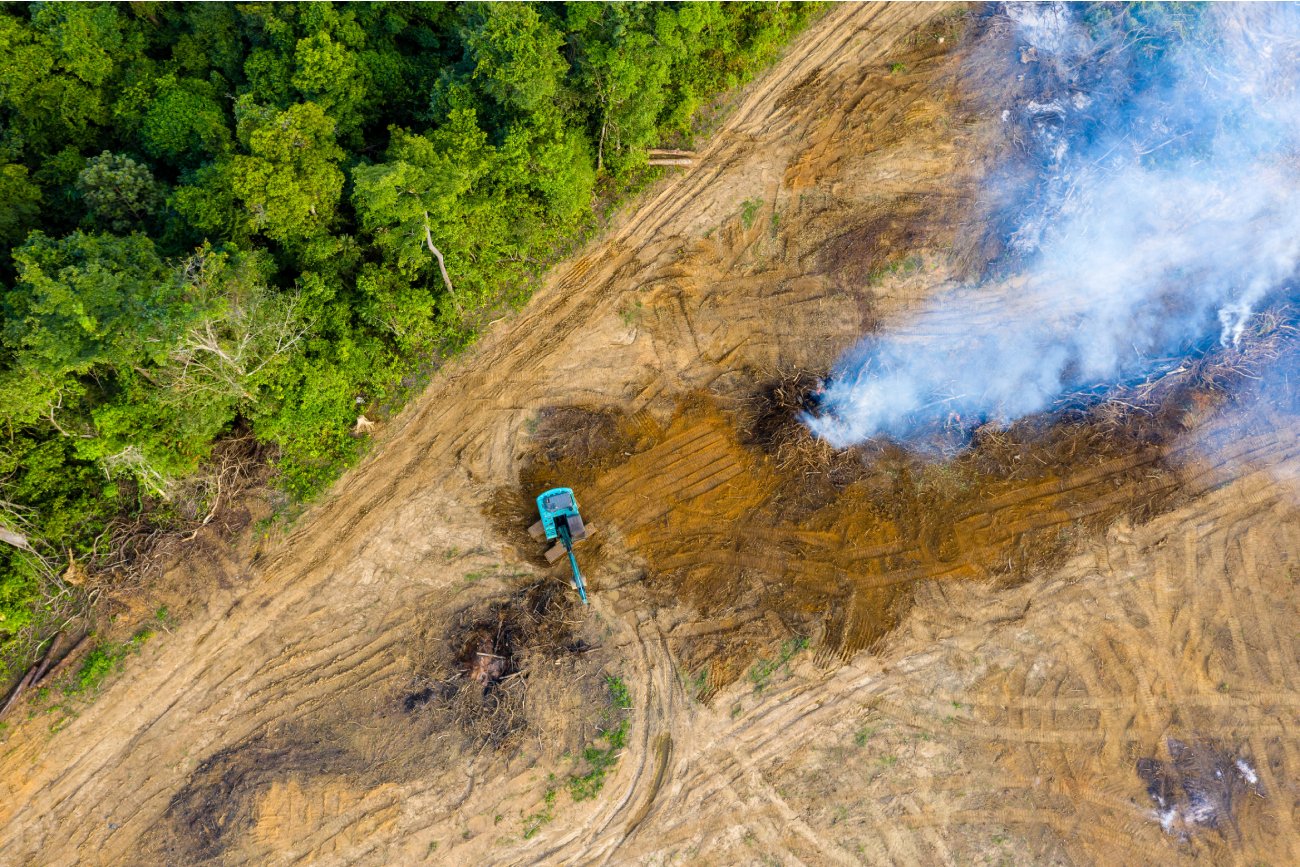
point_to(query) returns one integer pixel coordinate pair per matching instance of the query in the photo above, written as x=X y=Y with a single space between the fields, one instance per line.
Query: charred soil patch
x=1199 y=787
x=218 y=804
x=493 y=676
x=768 y=533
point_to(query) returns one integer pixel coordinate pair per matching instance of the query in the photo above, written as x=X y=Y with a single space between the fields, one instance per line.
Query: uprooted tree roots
x=498 y=667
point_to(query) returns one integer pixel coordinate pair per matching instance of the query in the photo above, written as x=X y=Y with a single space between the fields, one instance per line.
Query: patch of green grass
x=538 y=820
x=618 y=693
x=862 y=735
x=599 y=760
x=164 y=618
x=749 y=211
x=697 y=684
x=631 y=314
x=904 y=267
x=776 y=223
x=95 y=669
x=897 y=68
x=102 y=661
x=761 y=672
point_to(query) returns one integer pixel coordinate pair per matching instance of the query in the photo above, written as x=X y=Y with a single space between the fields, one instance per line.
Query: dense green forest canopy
x=219 y=217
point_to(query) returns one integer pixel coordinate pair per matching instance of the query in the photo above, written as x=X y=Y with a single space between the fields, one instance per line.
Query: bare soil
x=1030 y=649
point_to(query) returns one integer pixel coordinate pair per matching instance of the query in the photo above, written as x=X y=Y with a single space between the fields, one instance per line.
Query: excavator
x=562 y=524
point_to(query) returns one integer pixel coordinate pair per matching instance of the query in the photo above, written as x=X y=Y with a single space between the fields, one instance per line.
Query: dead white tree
x=222 y=353
x=15 y=530
x=442 y=266
x=14 y=524
x=132 y=460
x=58 y=405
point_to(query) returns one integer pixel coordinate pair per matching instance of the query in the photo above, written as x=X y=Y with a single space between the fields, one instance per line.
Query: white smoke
x=1170 y=207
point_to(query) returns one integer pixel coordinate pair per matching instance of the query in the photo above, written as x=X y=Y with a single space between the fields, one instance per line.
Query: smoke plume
x=1167 y=209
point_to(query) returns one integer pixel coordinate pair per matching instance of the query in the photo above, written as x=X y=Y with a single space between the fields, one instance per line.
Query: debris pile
x=486 y=666
x=1199 y=787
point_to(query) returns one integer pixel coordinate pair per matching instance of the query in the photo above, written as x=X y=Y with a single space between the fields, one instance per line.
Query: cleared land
x=1042 y=612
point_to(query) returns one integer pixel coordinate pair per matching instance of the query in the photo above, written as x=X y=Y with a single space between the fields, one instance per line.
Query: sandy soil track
x=994 y=726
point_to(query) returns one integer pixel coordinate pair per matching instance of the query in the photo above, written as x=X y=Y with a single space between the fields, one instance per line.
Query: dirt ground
x=1072 y=643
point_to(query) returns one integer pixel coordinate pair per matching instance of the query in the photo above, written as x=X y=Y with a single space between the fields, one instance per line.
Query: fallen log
x=18 y=690
x=668 y=152
x=49 y=657
x=33 y=675
x=13 y=537
x=64 y=662
x=671 y=161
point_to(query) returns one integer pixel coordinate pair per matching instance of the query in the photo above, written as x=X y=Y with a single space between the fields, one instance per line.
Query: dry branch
x=18 y=540
x=442 y=266
x=220 y=355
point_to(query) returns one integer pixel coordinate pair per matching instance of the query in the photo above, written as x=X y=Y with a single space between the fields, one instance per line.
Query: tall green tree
x=81 y=305
x=515 y=58
x=184 y=122
x=21 y=203
x=58 y=69
x=436 y=182
x=120 y=194
x=286 y=186
x=333 y=77
x=289 y=181
x=624 y=55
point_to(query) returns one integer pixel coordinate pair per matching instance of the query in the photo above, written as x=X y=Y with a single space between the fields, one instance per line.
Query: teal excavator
x=560 y=523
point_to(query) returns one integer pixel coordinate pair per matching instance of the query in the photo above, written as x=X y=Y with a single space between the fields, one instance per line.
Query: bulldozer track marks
x=992 y=725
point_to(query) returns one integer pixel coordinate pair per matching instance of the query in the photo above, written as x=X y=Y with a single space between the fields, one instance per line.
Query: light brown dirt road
x=992 y=726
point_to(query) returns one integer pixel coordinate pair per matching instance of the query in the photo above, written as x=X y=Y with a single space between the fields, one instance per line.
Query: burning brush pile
x=1164 y=218
x=1176 y=395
